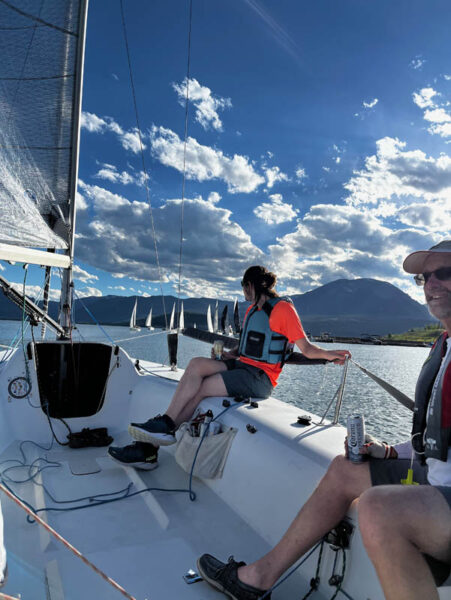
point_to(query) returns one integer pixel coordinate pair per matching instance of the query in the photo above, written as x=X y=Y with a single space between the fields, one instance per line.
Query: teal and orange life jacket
x=258 y=342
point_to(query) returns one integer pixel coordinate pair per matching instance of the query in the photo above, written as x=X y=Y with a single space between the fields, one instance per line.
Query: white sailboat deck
x=148 y=542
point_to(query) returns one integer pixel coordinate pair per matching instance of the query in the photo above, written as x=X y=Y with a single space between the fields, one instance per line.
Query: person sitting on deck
x=406 y=529
x=251 y=369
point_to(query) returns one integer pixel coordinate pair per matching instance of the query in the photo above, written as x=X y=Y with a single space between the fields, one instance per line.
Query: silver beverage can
x=356 y=438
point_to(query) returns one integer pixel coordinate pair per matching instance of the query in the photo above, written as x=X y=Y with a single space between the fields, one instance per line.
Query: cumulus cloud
x=207 y=105
x=396 y=173
x=203 y=162
x=129 y=139
x=273 y=175
x=83 y=275
x=117 y=238
x=400 y=201
x=424 y=98
x=111 y=173
x=300 y=173
x=276 y=211
x=35 y=291
x=436 y=111
x=121 y=288
x=88 y=291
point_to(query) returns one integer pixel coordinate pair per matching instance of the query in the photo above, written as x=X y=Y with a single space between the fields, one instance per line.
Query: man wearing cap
x=406 y=529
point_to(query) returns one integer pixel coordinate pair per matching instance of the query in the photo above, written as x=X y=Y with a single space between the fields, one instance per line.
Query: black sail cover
x=38 y=65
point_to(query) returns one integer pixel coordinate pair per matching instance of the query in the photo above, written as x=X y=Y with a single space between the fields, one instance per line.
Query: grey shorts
x=245 y=380
x=390 y=472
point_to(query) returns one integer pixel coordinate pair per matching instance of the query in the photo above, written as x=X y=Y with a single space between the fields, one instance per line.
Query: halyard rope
x=146 y=183
x=65 y=542
x=182 y=204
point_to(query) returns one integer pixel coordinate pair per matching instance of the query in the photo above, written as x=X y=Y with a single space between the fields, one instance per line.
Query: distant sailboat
x=172 y=321
x=149 y=321
x=209 y=323
x=133 y=325
x=182 y=319
x=216 y=318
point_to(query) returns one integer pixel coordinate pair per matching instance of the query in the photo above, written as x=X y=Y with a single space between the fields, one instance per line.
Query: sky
x=318 y=144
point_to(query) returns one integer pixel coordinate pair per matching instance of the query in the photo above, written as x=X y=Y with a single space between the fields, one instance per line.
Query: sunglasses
x=442 y=274
x=243 y=283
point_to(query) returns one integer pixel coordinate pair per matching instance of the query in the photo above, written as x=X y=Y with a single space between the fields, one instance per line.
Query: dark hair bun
x=262 y=279
x=269 y=280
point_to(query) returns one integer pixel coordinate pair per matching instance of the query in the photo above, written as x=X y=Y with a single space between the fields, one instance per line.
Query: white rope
x=137 y=337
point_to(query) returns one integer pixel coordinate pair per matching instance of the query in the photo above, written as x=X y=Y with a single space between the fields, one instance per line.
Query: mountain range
x=343 y=307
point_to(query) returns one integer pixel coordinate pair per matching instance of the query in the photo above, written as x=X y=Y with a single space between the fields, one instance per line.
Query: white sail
x=172 y=321
x=149 y=320
x=182 y=319
x=209 y=323
x=39 y=112
x=133 y=316
x=216 y=318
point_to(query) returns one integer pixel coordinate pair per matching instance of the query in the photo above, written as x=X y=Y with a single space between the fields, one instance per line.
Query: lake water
x=308 y=387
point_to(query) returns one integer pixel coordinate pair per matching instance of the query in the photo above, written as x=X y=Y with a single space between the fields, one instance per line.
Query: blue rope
x=94 y=319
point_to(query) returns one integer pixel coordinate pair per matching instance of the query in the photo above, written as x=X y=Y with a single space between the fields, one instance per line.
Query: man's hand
x=374 y=448
x=377 y=449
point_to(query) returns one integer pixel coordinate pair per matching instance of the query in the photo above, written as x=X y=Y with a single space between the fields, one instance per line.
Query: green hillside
x=427 y=334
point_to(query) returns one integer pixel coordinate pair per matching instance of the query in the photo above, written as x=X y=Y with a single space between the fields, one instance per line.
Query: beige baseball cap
x=414 y=263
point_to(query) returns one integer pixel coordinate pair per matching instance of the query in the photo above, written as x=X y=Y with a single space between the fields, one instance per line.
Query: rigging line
x=397 y=394
x=124 y=29
x=188 y=72
x=136 y=337
x=94 y=319
x=38 y=19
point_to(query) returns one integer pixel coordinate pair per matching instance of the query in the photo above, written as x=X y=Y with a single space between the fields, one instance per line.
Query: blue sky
x=318 y=143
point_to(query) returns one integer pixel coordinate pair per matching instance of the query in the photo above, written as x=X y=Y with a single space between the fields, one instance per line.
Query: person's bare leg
x=211 y=386
x=197 y=370
x=399 y=523
x=326 y=507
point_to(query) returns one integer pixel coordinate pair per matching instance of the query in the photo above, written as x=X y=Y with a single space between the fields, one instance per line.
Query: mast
x=67 y=278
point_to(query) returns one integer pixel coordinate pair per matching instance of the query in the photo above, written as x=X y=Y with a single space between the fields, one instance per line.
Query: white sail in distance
x=149 y=320
x=209 y=323
x=182 y=319
x=172 y=321
x=133 y=318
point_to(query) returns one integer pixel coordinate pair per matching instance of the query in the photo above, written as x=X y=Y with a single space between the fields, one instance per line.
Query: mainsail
x=148 y=323
x=41 y=49
x=133 y=316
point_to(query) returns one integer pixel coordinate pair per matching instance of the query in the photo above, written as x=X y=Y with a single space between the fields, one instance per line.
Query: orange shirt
x=285 y=320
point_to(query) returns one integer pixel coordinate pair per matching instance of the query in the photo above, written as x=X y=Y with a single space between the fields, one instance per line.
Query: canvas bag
x=212 y=456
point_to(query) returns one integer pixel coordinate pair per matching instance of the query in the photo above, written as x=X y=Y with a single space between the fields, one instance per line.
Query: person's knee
x=376 y=519
x=195 y=366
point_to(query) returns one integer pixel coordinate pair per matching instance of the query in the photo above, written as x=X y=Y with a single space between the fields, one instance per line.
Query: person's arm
x=313 y=351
